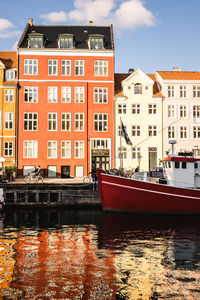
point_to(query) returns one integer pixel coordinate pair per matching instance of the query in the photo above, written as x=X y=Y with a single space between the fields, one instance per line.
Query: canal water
x=88 y=254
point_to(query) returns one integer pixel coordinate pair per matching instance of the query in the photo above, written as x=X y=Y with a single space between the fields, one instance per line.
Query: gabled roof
x=81 y=35
x=179 y=75
x=156 y=92
x=9 y=59
x=136 y=72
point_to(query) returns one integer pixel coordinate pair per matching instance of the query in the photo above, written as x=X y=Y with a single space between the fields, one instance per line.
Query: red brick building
x=66 y=84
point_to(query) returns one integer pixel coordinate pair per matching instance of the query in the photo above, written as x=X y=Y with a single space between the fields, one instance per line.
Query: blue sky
x=151 y=34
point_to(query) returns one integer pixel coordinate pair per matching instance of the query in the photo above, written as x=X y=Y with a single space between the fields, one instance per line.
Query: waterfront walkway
x=52 y=180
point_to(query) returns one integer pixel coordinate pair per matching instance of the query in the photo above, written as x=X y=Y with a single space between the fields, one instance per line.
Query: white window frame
x=196 y=91
x=65 y=67
x=136 y=153
x=10 y=75
x=122 y=151
x=100 y=95
x=170 y=91
x=137 y=108
x=8 y=120
x=52 y=67
x=101 y=68
x=170 y=131
x=79 y=94
x=52 y=94
x=66 y=149
x=31 y=121
x=196 y=131
x=171 y=111
x=52 y=146
x=32 y=94
x=152 y=108
x=196 y=113
x=120 y=129
x=136 y=130
x=184 y=131
x=183 y=108
x=65 y=120
x=9 y=95
x=32 y=146
x=79 y=67
x=78 y=149
x=8 y=148
x=152 y=130
x=138 y=88
x=52 y=121
x=183 y=91
x=100 y=120
x=121 y=108
x=30 y=66
x=66 y=94
x=79 y=122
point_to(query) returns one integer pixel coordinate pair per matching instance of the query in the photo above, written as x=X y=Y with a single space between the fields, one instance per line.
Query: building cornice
x=60 y=52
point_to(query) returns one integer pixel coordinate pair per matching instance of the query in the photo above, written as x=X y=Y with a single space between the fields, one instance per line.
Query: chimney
x=131 y=71
x=91 y=23
x=176 y=69
x=30 y=21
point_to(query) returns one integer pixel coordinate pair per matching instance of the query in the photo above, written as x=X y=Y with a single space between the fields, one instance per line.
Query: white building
x=181 y=109
x=138 y=103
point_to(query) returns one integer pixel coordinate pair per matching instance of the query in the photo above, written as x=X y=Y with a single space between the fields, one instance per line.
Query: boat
x=176 y=192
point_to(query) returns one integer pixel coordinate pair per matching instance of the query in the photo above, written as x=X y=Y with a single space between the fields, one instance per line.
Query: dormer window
x=96 y=42
x=35 y=40
x=10 y=75
x=66 y=41
x=138 y=88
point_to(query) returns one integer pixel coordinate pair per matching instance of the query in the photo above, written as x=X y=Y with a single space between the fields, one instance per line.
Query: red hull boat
x=118 y=193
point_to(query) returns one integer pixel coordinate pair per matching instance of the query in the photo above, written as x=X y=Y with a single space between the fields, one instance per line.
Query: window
x=171 y=111
x=171 y=132
x=52 y=149
x=30 y=121
x=170 y=91
x=9 y=75
x=52 y=121
x=35 y=41
x=79 y=67
x=177 y=165
x=121 y=108
x=79 y=122
x=100 y=95
x=79 y=94
x=119 y=129
x=184 y=165
x=152 y=108
x=52 y=67
x=8 y=120
x=9 y=97
x=30 y=149
x=79 y=149
x=30 y=67
x=152 y=130
x=122 y=152
x=136 y=153
x=135 y=130
x=135 y=108
x=8 y=148
x=30 y=94
x=182 y=91
x=138 y=88
x=196 y=112
x=52 y=94
x=100 y=68
x=196 y=132
x=196 y=91
x=66 y=41
x=66 y=67
x=65 y=94
x=65 y=149
x=183 y=111
x=65 y=121
x=183 y=132
x=100 y=122
x=96 y=42
x=169 y=164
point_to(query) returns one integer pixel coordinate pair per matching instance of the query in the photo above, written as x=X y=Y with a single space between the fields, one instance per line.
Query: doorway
x=65 y=171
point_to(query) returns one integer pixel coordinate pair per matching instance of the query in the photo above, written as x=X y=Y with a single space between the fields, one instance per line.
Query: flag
x=125 y=134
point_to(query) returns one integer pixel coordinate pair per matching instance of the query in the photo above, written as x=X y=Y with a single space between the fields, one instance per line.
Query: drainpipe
x=87 y=131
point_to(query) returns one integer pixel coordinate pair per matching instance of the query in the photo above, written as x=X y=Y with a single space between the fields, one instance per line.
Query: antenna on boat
x=172 y=143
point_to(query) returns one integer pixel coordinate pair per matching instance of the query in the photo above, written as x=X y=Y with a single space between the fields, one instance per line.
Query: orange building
x=8 y=102
x=66 y=83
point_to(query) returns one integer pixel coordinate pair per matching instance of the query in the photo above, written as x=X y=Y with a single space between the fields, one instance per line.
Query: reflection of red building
x=66 y=81
x=64 y=264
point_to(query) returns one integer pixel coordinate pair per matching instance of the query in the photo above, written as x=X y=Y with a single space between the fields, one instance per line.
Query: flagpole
x=121 y=155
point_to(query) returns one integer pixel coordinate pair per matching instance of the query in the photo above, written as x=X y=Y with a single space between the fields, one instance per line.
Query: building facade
x=8 y=105
x=66 y=84
x=181 y=109
x=138 y=104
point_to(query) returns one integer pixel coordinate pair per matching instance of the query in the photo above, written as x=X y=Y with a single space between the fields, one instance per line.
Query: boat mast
x=120 y=153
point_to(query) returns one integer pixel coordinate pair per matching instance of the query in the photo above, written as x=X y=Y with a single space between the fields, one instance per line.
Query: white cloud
x=54 y=17
x=6 y=29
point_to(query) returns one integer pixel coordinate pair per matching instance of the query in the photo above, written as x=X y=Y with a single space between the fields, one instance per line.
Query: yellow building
x=8 y=96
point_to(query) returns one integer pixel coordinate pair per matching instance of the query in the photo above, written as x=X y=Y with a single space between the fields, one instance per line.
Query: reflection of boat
x=176 y=192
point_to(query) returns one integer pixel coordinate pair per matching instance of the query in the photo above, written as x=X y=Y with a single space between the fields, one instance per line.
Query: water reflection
x=66 y=254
